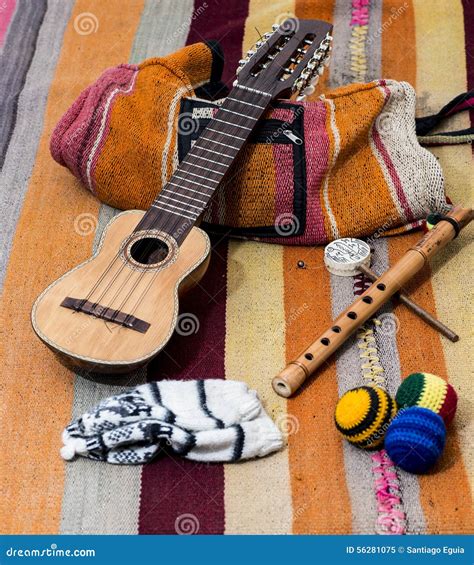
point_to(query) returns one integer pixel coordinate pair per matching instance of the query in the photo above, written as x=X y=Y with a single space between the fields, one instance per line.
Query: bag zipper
x=292 y=136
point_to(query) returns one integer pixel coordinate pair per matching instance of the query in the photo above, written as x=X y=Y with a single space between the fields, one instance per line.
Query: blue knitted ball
x=415 y=439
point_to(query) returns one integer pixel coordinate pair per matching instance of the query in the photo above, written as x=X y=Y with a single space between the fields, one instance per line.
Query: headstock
x=290 y=59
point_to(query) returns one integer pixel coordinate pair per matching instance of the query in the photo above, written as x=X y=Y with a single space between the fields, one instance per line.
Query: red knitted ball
x=428 y=391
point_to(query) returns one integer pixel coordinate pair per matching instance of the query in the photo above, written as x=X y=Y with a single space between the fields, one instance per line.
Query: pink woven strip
x=393 y=175
x=317 y=146
x=7 y=9
x=402 y=199
x=360 y=13
x=391 y=517
x=74 y=136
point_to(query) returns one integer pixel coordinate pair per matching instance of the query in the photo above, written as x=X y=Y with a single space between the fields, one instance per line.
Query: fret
x=185 y=187
x=227 y=134
x=192 y=186
x=160 y=207
x=212 y=151
x=219 y=143
x=247 y=103
x=179 y=201
x=166 y=189
x=248 y=89
x=238 y=114
x=176 y=176
x=185 y=210
x=200 y=167
x=210 y=160
x=231 y=124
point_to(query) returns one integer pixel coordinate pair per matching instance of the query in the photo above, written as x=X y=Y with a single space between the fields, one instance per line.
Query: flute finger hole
x=352 y=315
x=325 y=341
x=368 y=299
x=381 y=286
x=309 y=356
x=336 y=329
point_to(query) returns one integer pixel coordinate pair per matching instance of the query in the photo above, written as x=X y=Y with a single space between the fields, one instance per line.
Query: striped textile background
x=255 y=308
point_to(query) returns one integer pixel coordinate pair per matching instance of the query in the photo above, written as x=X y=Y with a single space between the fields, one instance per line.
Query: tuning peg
x=314 y=81
x=308 y=91
x=267 y=35
x=305 y=75
x=250 y=53
x=242 y=62
x=299 y=85
x=275 y=27
x=258 y=44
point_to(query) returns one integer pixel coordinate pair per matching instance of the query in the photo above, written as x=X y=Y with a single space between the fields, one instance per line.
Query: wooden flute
x=295 y=374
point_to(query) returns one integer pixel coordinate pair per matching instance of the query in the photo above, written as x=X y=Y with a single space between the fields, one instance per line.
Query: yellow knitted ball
x=363 y=414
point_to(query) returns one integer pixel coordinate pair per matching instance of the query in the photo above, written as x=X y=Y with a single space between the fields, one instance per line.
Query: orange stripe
x=357 y=165
x=445 y=494
x=37 y=391
x=398 y=41
x=316 y=10
x=321 y=503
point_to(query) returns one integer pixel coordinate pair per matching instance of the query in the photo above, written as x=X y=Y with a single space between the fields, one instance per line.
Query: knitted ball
x=415 y=439
x=428 y=391
x=431 y=221
x=362 y=415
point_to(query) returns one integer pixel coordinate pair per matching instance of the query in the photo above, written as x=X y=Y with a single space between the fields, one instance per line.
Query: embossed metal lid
x=342 y=257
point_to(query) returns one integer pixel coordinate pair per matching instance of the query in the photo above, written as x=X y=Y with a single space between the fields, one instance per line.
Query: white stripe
x=171 y=212
x=337 y=146
x=171 y=130
x=380 y=159
x=102 y=128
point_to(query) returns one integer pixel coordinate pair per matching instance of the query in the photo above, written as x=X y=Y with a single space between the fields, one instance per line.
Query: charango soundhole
x=149 y=250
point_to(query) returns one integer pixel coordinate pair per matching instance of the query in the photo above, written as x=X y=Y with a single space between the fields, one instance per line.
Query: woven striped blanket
x=255 y=309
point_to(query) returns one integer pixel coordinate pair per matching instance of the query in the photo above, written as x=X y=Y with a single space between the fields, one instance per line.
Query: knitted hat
x=212 y=420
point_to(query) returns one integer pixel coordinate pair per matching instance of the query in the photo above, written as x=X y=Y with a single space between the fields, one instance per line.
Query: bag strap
x=424 y=125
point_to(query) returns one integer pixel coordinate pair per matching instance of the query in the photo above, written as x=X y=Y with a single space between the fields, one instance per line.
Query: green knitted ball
x=428 y=391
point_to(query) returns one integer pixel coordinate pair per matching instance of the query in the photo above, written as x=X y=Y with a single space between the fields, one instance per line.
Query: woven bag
x=345 y=165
